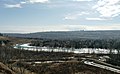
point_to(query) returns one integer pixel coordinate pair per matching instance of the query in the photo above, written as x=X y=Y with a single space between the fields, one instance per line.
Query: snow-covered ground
x=82 y=50
x=93 y=50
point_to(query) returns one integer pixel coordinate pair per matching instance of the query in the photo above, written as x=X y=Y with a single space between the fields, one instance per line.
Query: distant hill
x=110 y=34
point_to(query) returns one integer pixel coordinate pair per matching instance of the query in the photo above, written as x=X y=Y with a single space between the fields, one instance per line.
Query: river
x=58 y=49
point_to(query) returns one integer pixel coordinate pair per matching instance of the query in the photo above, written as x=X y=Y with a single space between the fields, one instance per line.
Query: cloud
x=96 y=19
x=71 y=16
x=42 y=28
x=63 y=27
x=103 y=27
x=18 y=4
x=37 y=1
x=108 y=8
x=75 y=15
x=22 y=2
x=13 y=5
x=82 y=0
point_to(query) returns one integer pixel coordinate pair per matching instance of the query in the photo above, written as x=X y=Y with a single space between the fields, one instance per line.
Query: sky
x=26 y=16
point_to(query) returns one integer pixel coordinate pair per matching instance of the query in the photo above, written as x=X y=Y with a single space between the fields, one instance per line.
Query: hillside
x=4 y=38
x=17 y=61
x=5 y=70
x=111 y=34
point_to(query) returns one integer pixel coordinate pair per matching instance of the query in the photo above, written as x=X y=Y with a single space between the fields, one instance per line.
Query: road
x=102 y=66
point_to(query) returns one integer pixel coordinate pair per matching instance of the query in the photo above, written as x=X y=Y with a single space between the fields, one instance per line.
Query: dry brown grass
x=5 y=70
x=4 y=38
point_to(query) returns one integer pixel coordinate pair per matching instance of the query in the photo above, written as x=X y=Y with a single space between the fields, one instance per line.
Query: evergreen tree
x=1 y=34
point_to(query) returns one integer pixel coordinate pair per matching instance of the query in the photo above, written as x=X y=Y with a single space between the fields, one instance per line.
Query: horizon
x=58 y=31
x=29 y=16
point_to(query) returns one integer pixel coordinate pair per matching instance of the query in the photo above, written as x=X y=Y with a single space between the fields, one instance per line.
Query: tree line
x=79 y=43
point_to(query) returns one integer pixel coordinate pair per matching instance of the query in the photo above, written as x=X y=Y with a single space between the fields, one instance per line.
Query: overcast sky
x=21 y=16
